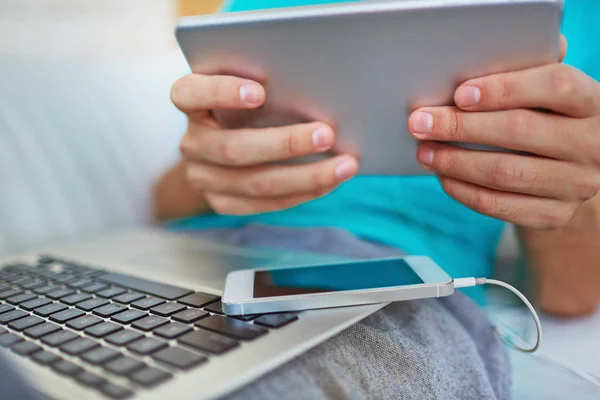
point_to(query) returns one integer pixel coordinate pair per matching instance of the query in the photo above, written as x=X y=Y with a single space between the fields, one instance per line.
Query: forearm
x=565 y=263
x=174 y=196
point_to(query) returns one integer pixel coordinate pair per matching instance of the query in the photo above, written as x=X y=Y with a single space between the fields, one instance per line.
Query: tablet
x=363 y=67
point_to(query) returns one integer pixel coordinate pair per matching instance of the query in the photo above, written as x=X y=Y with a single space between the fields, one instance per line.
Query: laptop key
x=100 y=355
x=35 y=303
x=109 y=310
x=45 y=358
x=47 y=289
x=23 y=281
x=12 y=316
x=149 y=323
x=8 y=339
x=67 y=368
x=10 y=293
x=157 y=289
x=5 y=308
x=208 y=341
x=190 y=315
x=116 y=392
x=84 y=322
x=112 y=292
x=24 y=323
x=25 y=348
x=147 y=303
x=90 y=379
x=127 y=298
x=66 y=315
x=44 y=329
x=79 y=346
x=146 y=346
x=198 y=300
x=179 y=358
x=78 y=284
x=92 y=304
x=76 y=298
x=124 y=366
x=246 y=318
x=59 y=338
x=21 y=298
x=123 y=337
x=168 y=309
x=49 y=309
x=96 y=287
x=231 y=327
x=276 y=320
x=58 y=294
x=34 y=284
x=128 y=316
x=216 y=307
x=103 y=329
x=172 y=330
x=150 y=377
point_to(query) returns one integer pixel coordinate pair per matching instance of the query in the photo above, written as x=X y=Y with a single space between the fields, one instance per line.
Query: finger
x=528 y=131
x=556 y=87
x=195 y=92
x=273 y=181
x=232 y=205
x=563 y=46
x=246 y=147
x=523 y=210
x=529 y=175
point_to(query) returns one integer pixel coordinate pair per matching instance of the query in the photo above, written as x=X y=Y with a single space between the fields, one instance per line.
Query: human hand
x=552 y=112
x=233 y=167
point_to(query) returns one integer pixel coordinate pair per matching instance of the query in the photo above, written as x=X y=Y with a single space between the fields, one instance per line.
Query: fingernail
x=467 y=96
x=346 y=170
x=421 y=123
x=323 y=138
x=426 y=156
x=251 y=94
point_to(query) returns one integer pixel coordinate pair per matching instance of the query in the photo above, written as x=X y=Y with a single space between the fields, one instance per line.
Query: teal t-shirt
x=413 y=213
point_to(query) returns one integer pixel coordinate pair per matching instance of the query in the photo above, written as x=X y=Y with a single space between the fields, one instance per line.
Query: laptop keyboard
x=127 y=332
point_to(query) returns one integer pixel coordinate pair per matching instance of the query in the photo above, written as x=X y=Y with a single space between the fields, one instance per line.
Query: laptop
x=138 y=315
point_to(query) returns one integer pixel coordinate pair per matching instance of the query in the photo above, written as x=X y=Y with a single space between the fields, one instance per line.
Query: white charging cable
x=470 y=282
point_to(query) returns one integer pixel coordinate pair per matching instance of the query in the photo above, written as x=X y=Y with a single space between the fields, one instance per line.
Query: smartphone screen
x=334 y=278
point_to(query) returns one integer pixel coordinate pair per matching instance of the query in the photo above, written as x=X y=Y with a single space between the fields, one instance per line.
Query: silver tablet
x=363 y=67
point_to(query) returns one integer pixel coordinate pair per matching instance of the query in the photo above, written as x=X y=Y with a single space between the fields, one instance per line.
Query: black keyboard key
x=124 y=366
x=35 y=303
x=47 y=289
x=109 y=310
x=67 y=368
x=245 y=317
x=45 y=358
x=189 y=316
x=44 y=329
x=150 y=377
x=165 y=291
x=10 y=293
x=84 y=322
x=149 y=323
x=8 y=339
x=16 y=278
x=146 y=346
x=168 y=309
x=100 y=355
x=116 y=392
x=179 y=358
x=147 y=303
x=91 y=380
x=103 y=329
x=24 y=323
x=94 y=288
x=58 y=294
x=66 y=315
x=112 y=292
x=5 y=308
x=12 y=316
x=276 y=320
x=21 y=298
x=130 y=297
x=22 y=281
x=208 y=341
x=79 y=283
x=216 y=307
x=79 y=346
x=231 y=327
x=59 y=338
x=172 y=330
x=65 y=278
x=76 y=298
x=92 y=304
x=198 y=300
x=25 y=348
x=49 y=309
x=128 y=316
x=123 y=337
x=36 y=283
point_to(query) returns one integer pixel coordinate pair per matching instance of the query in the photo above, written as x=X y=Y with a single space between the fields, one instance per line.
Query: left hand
x=551 y=112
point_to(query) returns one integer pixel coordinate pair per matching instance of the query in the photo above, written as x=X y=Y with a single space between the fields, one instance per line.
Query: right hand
x=230 y=165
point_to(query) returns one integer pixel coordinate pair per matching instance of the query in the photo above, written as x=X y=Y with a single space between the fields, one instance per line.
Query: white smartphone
x=269 y=290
